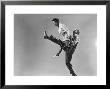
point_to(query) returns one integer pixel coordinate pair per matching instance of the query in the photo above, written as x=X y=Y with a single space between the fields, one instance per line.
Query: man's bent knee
x=68 y=64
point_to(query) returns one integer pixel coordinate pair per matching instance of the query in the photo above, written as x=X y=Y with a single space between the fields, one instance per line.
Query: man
x=68 y=44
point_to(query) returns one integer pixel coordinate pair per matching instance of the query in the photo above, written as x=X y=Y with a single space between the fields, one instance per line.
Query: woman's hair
x=76 y=32
x=55 y=20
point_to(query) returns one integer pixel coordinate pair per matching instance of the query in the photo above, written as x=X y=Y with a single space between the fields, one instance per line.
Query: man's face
x=54 y=23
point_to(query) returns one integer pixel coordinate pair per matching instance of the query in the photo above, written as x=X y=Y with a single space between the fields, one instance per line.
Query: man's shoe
x=73 y=74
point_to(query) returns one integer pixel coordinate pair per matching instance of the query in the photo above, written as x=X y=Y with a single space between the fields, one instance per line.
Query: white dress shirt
x=64 y=31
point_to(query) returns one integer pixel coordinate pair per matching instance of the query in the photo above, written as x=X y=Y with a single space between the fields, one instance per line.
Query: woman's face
x=64 y=33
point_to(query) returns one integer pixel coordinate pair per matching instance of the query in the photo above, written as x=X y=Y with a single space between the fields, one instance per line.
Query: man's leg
x=72 y=49
x=53 y=39
x=68 y=64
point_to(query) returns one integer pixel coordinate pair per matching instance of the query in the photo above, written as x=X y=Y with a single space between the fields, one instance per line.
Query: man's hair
x=55 y=20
